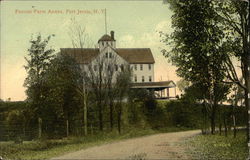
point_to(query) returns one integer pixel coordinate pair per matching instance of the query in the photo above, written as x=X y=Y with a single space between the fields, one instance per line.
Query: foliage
x=182 y=84
x=197 y=50
x=62 y=100
x=38 y=61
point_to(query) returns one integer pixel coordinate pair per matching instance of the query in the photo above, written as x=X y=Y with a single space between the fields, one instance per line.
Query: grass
x=52 y=148
x=218 y=146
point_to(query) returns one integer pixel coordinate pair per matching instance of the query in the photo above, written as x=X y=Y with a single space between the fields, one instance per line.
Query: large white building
x=141 y=61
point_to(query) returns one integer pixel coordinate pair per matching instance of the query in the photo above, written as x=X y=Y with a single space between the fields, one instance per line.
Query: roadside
x=218 y=146
x=45 y=149
x=159 y=146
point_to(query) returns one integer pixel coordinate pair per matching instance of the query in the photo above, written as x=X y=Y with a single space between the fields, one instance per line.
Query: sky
x=136 y=25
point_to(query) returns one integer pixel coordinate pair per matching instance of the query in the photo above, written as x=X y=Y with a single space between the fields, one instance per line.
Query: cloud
x=127 y=41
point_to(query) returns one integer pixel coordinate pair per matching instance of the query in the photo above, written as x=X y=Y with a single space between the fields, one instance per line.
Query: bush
x=184 y=114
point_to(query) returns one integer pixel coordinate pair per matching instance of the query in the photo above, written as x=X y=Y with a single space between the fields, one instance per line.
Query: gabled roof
x=81 y=55
x=136 y=55
x=106 y=37
x=131 y=55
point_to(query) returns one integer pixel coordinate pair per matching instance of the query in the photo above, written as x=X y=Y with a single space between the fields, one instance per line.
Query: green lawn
x=51 y=148
x=218 y=146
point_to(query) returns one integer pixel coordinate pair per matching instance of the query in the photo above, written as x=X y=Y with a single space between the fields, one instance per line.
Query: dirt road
x=160 y=146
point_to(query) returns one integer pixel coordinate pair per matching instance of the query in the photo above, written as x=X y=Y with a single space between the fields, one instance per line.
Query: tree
x=197 y=49
x=123 y=81
x=182 y=85
x=235 y=19
x=38 y=60
x=80 y=39
x=62 y=99
x=101 y=75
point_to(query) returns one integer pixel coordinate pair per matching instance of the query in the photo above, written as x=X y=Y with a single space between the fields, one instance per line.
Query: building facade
x=140 y=60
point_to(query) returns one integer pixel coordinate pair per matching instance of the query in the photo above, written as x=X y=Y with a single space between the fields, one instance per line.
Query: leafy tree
x=62 y=99
x=38 y=60
x=196 y=49
x=234 y=17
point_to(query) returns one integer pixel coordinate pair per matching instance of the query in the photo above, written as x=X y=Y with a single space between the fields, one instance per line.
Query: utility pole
x=106 y=21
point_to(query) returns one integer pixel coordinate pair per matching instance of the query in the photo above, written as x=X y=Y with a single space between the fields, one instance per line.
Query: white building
x=141 y=61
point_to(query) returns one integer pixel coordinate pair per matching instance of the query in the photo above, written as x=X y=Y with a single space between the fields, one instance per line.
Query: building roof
x=106 y=37
x=81 y=55
x=131 y=55
x=154 y=85
x=136 y=55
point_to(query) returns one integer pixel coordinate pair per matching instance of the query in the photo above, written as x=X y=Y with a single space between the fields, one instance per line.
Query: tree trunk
x=111 y=115
x=67 y=128
x=39 y=128
x=220 y=125
x=234 y=123
x=100 y=117
x=213 y=119
x=119 y=122
x=225 y=124
x=247 y=108
x=85 y=115
x=119 y=118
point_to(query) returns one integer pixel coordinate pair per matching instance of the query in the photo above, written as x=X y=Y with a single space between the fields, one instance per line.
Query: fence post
x=67 y=127
x=39 y=128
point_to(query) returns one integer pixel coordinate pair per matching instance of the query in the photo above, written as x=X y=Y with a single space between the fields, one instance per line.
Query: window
x=149 y=66
x=95 y=68
x=102 y=43
x=110 y=55
x=142 y=79
x=141 y=66
x=109 y=67
x=135 y=66
x=106 y=43
x=107 y=55
x=150 y=79
x=116 y=67
x=122 y=67
x=135 y=78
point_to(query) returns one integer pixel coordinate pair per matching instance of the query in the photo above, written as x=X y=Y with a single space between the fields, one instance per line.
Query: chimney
x=112 y=33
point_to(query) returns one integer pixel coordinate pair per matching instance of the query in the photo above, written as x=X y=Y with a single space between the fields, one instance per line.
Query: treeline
x=17 y=123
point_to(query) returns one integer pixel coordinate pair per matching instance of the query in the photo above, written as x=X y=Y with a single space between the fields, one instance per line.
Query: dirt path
x=160 y=146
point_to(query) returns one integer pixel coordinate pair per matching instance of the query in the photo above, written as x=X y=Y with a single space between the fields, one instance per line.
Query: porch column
x=168 y=93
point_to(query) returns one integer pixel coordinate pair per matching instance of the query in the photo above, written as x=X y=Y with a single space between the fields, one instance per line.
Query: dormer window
x=107 y=56
x=110 y=55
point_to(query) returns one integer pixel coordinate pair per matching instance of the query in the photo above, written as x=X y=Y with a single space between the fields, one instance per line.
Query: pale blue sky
x=135 y=25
